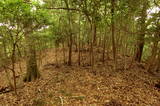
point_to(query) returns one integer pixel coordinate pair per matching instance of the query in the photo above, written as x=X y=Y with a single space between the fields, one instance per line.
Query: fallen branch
x=61 y=100
x=5 y=89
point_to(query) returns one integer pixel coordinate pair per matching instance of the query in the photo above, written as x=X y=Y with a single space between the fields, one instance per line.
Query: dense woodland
x=80 y=52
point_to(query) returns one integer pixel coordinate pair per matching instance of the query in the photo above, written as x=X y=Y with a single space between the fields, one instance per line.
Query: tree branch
x=63 y=8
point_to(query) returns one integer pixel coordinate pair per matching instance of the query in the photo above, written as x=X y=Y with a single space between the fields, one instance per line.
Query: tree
x=69 y=14
x=23 y=19
x=33 y=20
x=142 y=30
x=113 y=30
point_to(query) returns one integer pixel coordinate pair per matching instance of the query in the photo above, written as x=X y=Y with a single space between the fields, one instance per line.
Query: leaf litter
x=83 y=86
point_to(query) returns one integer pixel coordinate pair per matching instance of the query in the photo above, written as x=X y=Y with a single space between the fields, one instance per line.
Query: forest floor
x=62 y=85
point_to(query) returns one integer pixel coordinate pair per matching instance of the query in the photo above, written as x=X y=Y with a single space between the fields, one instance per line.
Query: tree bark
x=158 y=63
x=140 y=43
x=94 y=34
x=79 y=42
x=113 y=31
x=31 y=62
x=104 y=48
x=13 y=67
x=70 y=33
x=70 y=50
x=153 y=56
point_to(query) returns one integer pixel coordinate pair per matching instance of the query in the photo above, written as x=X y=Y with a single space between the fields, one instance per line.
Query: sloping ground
x=82 y=86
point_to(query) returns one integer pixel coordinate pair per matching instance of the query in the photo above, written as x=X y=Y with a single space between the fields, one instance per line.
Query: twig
x=61 y=100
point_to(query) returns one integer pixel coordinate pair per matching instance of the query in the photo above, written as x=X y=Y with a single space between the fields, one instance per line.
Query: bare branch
x=63 y=8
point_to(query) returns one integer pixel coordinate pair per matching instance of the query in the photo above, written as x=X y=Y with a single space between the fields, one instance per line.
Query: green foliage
x=48 y=25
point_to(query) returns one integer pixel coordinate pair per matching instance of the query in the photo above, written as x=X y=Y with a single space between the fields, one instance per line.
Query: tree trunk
x=104 y=37
x=153 y=56
x=70 y=50
x=140 y=43
x=158 y=62
x=94 y=34
x=70 y=33
x=79 y=42
x=140 y=46
x=113 y=32
x=104 y=47
x=92 y=45
x=13 y=67
x=64 y=55
x=31 y=62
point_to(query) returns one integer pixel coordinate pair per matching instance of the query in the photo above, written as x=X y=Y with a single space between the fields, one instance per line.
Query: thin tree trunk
x=104 y=47
x=70 y=50
x=91 y=46
x=94 y=34
x=79 y=43
x=64 y=55
x=56 y=49
x=70 y=33
x=13 y=67
x=140 y=43
x=158 y=62
x=153 y=57
x=113 y=32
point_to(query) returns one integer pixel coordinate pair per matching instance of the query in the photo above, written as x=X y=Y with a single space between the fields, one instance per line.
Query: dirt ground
x=62 y=85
